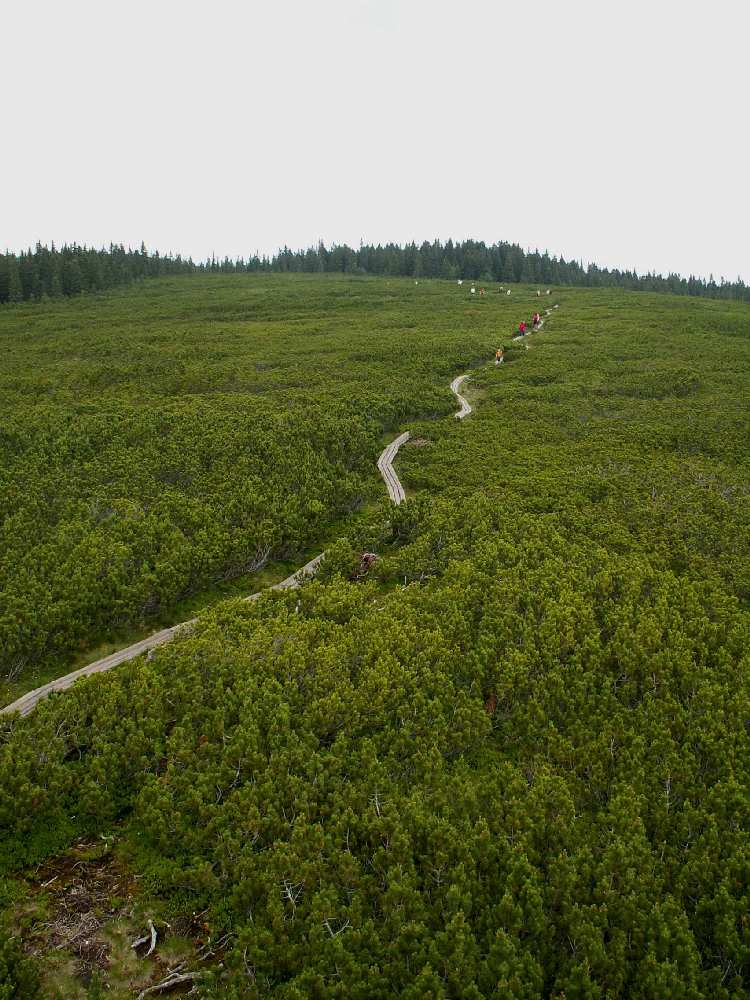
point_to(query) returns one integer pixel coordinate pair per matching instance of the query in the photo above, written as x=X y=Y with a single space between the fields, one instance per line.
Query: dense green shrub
x=513 y=762
x=18 y=976
x=529 y=768
x=157 y=444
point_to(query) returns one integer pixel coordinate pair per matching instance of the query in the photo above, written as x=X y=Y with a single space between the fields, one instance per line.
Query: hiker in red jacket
x=522 y=328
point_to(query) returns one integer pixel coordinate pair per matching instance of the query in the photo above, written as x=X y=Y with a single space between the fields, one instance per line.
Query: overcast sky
x=599 y=130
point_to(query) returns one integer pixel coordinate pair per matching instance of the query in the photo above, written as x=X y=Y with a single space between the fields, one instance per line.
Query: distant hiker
x=473 y=290
x=548 y=291
x=535 y=321
x=482 y=291
x=538 y=293
x=508 y=292
x=499 y=356
x=522 y=328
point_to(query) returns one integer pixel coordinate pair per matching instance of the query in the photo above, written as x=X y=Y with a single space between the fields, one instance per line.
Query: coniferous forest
x=512 y=760
x=50 y=272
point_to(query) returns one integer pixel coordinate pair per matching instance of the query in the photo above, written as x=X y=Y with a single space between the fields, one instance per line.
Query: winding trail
x=465 y=405
x=385 y=464
x=27 y=702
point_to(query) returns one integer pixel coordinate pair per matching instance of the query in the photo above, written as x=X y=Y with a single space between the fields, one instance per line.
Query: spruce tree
x=72 y=280
x=55 y=285
x=15 y=290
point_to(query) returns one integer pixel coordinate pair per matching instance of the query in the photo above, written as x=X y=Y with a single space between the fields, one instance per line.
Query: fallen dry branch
x=209 y=950
x=150 y=936
x=172 y=980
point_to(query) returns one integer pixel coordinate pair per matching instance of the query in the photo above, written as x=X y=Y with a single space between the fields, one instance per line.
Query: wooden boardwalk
x=465 y=405
x=27 y=702
x=385 y=465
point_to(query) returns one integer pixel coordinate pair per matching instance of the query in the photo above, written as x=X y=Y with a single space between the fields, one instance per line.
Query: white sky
x=601 y=130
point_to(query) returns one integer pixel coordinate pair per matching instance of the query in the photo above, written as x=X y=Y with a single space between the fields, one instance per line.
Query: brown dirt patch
x=81 y=893
x=80 y=915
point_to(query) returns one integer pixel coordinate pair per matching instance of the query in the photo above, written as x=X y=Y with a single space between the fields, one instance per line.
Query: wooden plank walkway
x=465 y=405
x=385 y=465
x=27 y=702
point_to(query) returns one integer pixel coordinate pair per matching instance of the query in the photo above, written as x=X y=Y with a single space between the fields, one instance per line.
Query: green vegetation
x=514 y=761
x=160 y=442
x=18 y=977
x=48 y=273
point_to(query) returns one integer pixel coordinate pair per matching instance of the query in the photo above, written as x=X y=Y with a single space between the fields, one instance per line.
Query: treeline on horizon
x=71 y=270
x=51 y=272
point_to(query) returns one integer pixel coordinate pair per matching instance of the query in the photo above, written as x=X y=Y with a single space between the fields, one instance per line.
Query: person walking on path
x=535 y=321
x=522 y=328
x=499 y=356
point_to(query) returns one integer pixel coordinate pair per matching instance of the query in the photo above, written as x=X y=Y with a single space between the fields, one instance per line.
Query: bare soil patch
x=83 y=912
